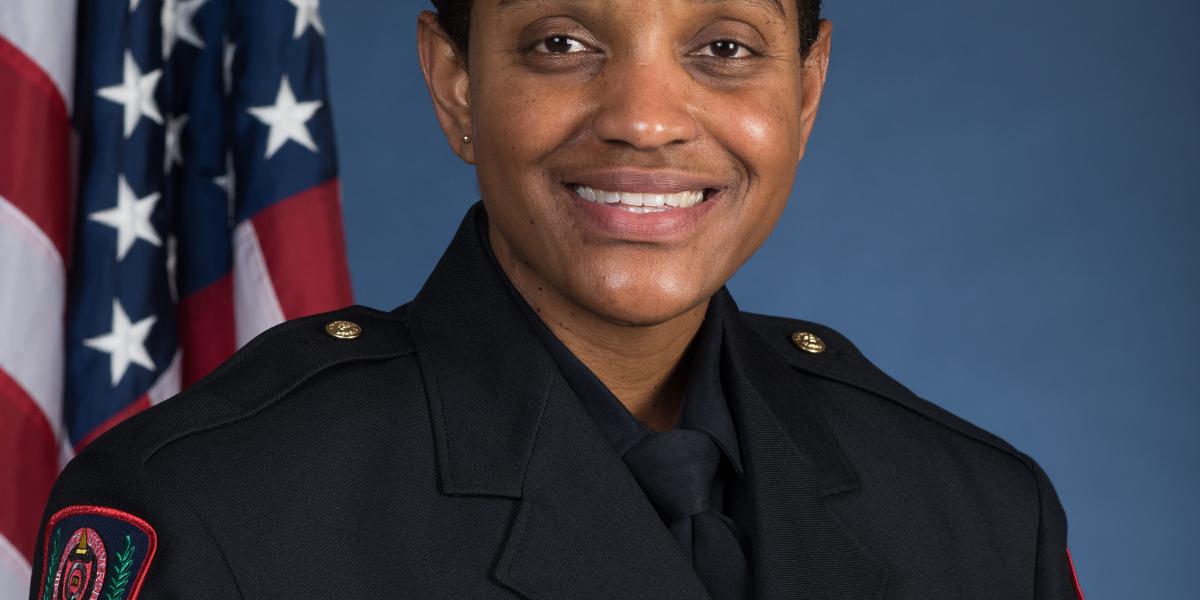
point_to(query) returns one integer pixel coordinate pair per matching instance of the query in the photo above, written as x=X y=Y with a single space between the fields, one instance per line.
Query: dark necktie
x=676 y=470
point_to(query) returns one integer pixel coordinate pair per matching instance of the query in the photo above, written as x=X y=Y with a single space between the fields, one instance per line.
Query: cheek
x=498 y=120
x=519 y=119
x=515 y=127
x=761 y=133
x=755 y=129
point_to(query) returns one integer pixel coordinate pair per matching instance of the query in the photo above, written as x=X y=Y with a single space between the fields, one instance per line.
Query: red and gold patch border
x=111 y=513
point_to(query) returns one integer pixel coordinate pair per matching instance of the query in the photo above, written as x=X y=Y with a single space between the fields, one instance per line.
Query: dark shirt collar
x=704 y=405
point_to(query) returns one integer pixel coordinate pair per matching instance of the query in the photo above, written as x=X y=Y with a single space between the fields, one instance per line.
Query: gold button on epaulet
x=343 y=330
x=808 y=342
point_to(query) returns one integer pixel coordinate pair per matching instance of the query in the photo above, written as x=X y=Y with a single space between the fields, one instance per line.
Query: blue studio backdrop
x=999 y=206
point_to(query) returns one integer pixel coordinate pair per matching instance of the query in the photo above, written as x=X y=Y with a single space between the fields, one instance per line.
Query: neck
x=645 y=367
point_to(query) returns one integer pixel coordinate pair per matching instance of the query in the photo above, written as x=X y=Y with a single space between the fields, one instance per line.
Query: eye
x=560 y=44
x=726 y=49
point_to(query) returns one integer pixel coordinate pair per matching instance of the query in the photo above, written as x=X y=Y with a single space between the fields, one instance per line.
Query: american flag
x=168 y=189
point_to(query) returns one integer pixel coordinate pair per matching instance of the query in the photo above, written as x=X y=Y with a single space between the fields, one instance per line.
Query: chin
x=643 y=301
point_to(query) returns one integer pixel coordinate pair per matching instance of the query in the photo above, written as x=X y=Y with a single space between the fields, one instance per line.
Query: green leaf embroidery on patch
x=52 y=559
x=118 y=579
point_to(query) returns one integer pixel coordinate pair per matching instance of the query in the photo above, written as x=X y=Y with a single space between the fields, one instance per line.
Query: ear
x=812 y=82
x=448 y=83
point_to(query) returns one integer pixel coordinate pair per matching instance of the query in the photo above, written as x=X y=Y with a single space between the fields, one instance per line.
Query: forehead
x=776 y=6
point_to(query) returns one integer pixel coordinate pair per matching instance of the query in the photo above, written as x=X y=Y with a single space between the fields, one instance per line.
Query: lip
x=647 y=181
x=663 y=228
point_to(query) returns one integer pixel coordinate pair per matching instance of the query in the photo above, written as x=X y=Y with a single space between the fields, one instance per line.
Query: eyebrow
x=775 y=5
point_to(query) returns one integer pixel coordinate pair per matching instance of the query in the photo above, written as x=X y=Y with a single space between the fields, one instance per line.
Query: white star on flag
x=125 y=344
x=306 y=14
x=287 y=119
x=174 y=151
x=177 y=24
x=130 y=217
x=135 y=93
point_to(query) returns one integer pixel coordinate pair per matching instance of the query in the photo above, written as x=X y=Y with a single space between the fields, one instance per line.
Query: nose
x=644 y=105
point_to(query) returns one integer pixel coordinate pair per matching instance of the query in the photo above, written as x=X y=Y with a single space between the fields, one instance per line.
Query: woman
x=573 y=406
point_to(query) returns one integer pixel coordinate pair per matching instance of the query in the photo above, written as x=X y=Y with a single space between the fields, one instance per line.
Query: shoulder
x=283 y=410
x=839 y=361
x=923 y=470
x=279 y=366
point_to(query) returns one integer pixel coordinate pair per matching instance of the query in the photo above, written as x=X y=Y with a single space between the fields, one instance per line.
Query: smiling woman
x=645 y=102
x=574 y=406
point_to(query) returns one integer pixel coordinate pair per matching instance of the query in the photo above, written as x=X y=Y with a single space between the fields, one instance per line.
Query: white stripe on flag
x=65 y=452
x=38 y=28
x=256 y=307
x=31 y=348
x=14 y=571
x=168 y=384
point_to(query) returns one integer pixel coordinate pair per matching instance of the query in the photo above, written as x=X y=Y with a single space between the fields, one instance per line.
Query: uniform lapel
x=585 y=529
x=507 y=424
x=802 y=549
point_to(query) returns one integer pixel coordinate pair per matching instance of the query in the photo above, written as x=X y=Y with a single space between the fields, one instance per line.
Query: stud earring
x=466 y=139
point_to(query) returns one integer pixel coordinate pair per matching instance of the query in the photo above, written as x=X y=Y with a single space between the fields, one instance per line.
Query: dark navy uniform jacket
x=441 y=454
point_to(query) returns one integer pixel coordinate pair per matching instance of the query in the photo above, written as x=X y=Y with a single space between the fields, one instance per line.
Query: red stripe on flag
x=28 y=464
x=304 y=247
x=206 y=329
x=34 y=146
x=137 y=406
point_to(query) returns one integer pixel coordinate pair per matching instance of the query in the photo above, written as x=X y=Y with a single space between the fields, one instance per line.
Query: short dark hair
x=455 y=18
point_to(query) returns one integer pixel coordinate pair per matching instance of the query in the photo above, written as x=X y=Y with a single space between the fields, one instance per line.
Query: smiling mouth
x=635 y=202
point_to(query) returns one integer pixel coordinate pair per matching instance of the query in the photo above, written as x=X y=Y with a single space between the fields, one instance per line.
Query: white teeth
x=641 y=203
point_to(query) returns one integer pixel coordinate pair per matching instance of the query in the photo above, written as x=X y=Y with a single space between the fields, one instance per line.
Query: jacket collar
x=507 y=424
x=803 y=549
x=763 y=372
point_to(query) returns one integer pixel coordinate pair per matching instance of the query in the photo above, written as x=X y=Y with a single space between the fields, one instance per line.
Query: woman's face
x=632 y=155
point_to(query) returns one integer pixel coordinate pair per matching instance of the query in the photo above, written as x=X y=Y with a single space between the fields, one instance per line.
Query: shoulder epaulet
x=287 y=354
x=840 y=360
x=264 y=370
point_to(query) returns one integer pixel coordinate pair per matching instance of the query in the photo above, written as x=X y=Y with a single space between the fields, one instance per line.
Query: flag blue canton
x=194 y=116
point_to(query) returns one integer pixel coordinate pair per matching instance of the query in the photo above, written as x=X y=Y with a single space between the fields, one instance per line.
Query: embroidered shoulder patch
x=95 y=553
